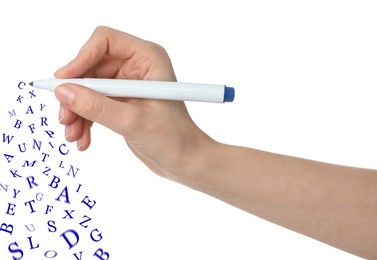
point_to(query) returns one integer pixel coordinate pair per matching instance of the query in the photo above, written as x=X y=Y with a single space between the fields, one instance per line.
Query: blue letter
x=16 y=250
x=18 y=124
x=31 y=244
x=12 y=113
x=70 y=244
x=8 y=156
x=88 y=202
x=101 y=254
x=6 y=228
x=31 y=181
x=10 y=210
x=54 y=183
x=21 y=85
x=51 y=224
x=6 y=138
x=29 y=110
x=60 y=149
x=99 y=236
x=64 y=193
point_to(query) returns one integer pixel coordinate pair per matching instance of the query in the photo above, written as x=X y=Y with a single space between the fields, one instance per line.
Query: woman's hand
x=160 y=133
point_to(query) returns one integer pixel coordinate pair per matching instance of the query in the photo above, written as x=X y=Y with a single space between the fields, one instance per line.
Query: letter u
x=32 y=225
x=22 y=150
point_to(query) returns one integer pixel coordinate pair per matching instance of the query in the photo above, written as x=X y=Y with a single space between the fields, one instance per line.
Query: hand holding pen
x=332 y=203
x=158 y=132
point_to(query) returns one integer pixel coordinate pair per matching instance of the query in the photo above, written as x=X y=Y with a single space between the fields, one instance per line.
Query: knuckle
x=94 y=109
x=101 y=29
x=159 y=50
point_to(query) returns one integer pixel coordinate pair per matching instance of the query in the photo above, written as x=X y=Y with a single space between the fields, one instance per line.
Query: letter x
x=68 y=213
x=32 y=93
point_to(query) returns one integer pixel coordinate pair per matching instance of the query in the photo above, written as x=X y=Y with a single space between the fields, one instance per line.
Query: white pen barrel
x=146 y=89
x=159 y=90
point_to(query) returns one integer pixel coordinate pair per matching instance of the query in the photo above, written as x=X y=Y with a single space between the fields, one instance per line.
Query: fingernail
x=67 y=132
x=79 y=145
x=65 y=94
x=61 y=113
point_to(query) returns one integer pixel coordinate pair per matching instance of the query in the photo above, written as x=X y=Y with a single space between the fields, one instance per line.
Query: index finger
x=104 y=41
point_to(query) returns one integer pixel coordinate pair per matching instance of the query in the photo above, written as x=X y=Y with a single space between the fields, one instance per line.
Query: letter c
x=21 y=85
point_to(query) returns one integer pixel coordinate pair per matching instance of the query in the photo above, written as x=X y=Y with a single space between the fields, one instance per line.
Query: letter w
x=7 y=139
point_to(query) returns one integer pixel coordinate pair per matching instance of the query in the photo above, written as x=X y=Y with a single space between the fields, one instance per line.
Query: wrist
x=219 y=170
x=202 y=164
x=192 y=159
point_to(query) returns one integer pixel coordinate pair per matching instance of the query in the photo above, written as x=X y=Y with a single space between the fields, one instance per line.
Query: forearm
x=334 y=204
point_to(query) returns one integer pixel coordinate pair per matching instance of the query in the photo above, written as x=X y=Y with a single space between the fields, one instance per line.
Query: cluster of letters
x=45 y=212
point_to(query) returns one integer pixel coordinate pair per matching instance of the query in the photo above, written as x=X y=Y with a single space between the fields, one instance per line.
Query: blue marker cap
x=229 y=94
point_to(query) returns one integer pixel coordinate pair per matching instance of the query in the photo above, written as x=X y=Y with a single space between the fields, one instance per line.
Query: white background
x=304 y=73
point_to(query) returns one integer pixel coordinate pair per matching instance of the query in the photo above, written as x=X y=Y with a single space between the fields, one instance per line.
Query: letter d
x=69 y=242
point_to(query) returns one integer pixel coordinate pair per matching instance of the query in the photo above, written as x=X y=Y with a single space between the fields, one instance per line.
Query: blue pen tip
x=229 y=94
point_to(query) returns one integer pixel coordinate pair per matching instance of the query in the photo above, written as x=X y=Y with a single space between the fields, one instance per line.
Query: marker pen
x=147 y=89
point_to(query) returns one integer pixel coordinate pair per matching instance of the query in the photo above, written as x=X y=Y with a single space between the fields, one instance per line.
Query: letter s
x=15 y=251
x=51 y=224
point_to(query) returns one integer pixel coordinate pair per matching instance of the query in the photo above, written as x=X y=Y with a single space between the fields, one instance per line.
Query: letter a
x=64 y=193
x=29 y=110
x=8 y=157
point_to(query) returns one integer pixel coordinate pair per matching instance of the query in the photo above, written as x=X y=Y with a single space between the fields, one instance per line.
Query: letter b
x=54 y=183
x=6 y=228
x=100 y=254
x=18 y=124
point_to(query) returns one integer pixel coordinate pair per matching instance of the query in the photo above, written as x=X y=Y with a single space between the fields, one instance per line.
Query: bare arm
x=334 y=204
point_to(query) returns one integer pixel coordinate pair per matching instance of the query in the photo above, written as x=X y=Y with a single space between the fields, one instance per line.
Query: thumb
x=92 y=105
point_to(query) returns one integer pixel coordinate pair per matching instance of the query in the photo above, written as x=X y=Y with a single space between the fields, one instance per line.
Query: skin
x=331 y=203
